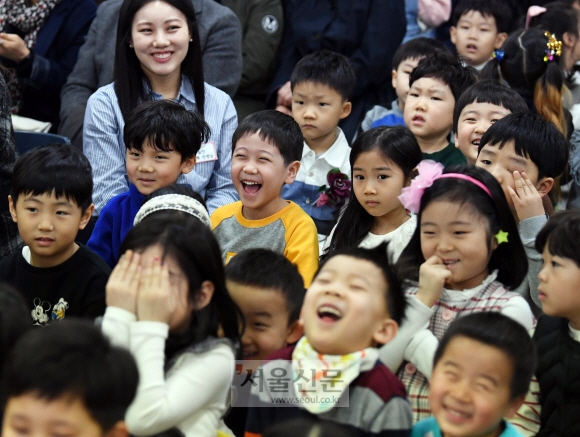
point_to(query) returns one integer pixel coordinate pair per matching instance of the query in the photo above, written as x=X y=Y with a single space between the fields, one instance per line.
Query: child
x=481 y=372
x=481 y=105
x=67 y=379
x=166 y=302
x=269 y=291
x=462 y=262
x=435 y=86
x=525 y=154
x=405 y=60
x=479 y=27
x=161 y=139
x=354 y=304
x=557 y=334
x=383 y=160
x=321 y=87
x=50 y=201
x=267 y=147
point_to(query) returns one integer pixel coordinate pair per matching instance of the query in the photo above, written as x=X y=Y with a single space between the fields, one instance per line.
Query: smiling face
x=470 y=389
x=152 y=168
x=459 y=236
x=317 y=109
x=258 y=173
x=558 y=290
x=32 y=415
x=400 y=79
x=476 y=37
x=429 y=112
x=474 y=120
x=48 y=225
x=160 y=37
x=345 y=308
x=267 y=321
x=377 y=183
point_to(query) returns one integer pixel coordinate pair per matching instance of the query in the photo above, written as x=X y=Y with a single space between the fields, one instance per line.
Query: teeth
x=329 y=310
x=449 y=262
x=251 y=183
x=162 y=55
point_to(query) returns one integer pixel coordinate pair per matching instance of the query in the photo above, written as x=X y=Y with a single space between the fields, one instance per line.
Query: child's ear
x=500 y=39
x=544 y=185
x=346 y=108
x=86 y=216
x=515 y=405
x=119 y=429
x=204 y=295
x=394 y=78
x=187 y=165
x=569 y=39
x=386 y=332
x=455 y=140
x=295 y=331
x=291 y=172
x=453 y=34
x=12 y=209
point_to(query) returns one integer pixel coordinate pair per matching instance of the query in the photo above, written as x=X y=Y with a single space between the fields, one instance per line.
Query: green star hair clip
x=501 y=237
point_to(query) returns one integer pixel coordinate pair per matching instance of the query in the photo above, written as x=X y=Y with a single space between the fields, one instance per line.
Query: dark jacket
x=43 y=75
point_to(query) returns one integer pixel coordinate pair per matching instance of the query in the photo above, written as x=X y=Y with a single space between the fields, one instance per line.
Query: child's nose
x=460 y=391
x=146 y=167
x=444 y=244
x=309 y=112
x=369 y=188
x=250 y=168
x=45 y=224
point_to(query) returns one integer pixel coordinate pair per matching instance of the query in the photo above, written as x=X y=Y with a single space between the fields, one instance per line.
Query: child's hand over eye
x=123 y=283
x=527 y=201
x=432 y=277
x=157 y=300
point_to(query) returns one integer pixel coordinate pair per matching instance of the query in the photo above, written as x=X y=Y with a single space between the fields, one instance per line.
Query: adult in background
x=366 y=31
x=40 y=42
x=158 y=56
x=220 y=39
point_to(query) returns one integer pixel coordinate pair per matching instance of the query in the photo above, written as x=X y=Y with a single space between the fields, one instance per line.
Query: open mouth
x=471 y=48
x=450 y=262
x=248 y=355
x=146 y=181
x=456 y=415
x=44 y=241
x=329 y=313
x=418 y=119
x=475 y=143
x=251 y=188
x=162 y=56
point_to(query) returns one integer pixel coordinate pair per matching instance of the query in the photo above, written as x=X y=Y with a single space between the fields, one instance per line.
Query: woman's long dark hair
x=197 y=252
x=128 y=74
x=509 y=258
x=398 y=145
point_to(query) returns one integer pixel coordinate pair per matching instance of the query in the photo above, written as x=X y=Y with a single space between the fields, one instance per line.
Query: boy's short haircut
x=447 y=68
x=497 y=9
x=533 y=138
x=326 y=68
x=276 y=128
x=73 y=358
x=56 y=168
x=265 y=269
x=489 y=91
x=166 y=125
x=417 y=48
x=395 y=296
x=561 y=234
x=499 y=331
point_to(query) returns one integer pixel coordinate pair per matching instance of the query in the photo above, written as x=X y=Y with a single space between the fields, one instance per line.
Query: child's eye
x=413 y=94
x=61 y=213
x=239 y=156
x=134 y=154
x=459 y=232
x=264 y=159
x=471 y=120
x=298 y=102
x=260 y=326
x=31 y=209
x=382 y=177
x=359 y=177
x=485 y=162
x=323 y=104
x=435 y=98
x=555 y=264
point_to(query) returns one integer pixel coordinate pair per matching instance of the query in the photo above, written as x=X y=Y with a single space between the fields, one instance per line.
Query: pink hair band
x=467 y=178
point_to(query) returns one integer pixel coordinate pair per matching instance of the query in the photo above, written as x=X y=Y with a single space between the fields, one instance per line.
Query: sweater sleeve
x=302 y=247
x=116 y=325
x=194 y=381
x=102 y=236
x=527 y=418
x=529 y=229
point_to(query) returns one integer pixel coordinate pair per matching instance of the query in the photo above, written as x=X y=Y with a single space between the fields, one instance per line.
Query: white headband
x=177 y=202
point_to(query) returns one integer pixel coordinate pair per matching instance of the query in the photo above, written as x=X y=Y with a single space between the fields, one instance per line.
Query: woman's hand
x=432 y=277
x=123 y=284
x=157 y=300
x=13 y=47
x=284 y=99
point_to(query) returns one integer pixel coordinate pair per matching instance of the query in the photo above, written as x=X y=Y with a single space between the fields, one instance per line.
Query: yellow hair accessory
x=554 y=47
x=501 y=237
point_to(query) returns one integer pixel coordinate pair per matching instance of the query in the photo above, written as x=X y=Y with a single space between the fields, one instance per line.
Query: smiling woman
x=158 y=56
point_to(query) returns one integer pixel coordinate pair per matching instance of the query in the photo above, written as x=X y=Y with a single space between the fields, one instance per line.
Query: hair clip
x=501 y=237
x=533 y=11
x=498 y=54
x=554 y=47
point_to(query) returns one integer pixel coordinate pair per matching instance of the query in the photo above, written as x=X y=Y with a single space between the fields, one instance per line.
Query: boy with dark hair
x=434 y=86
x=479 y=27
x=50 y=201
x=68 y=379
x=266 y=148
x=481 y=105
x=354 y=304
x=525 y=154
x=161 y=139
x=481 y=372
x=321 y=83
x=405 y=60
x=269 y=291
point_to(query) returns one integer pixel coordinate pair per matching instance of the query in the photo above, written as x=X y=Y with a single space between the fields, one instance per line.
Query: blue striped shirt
x=104 y=147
